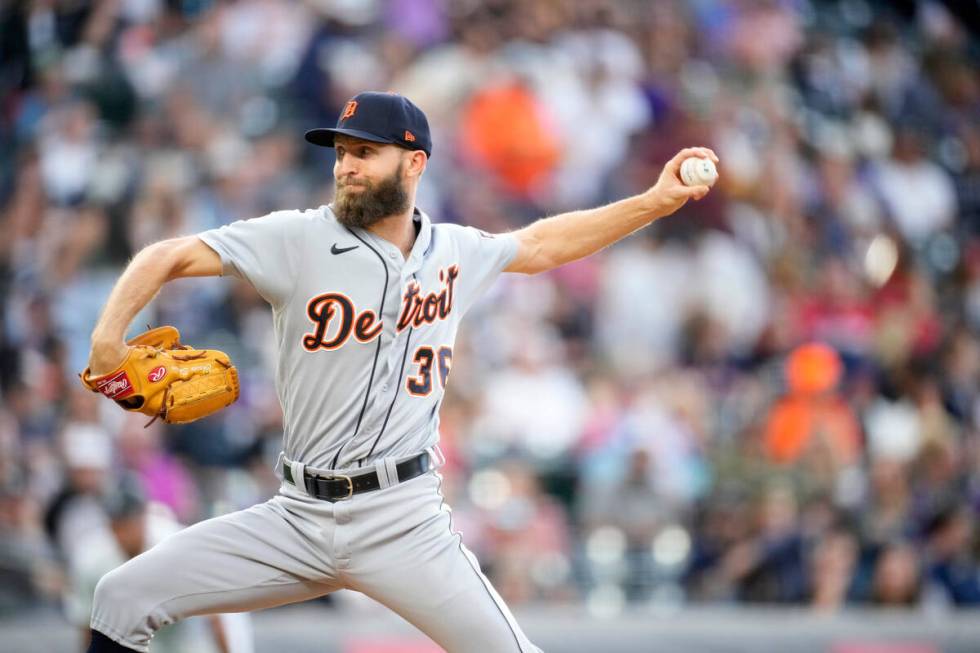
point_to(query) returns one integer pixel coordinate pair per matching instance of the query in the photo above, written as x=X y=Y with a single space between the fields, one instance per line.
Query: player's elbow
x=156 y=259
x=532 y=256
x=539 y=265
x=186 y=256
x=542 y=261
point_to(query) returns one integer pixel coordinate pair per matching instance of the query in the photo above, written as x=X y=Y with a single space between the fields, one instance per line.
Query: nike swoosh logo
x=341 y=250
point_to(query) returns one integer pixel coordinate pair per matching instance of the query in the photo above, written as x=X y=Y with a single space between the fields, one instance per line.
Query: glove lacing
x=166 y=392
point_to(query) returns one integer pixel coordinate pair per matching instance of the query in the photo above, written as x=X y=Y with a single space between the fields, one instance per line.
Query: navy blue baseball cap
x=381 y=118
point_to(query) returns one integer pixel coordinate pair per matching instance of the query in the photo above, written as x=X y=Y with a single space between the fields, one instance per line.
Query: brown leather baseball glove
x=162 y=378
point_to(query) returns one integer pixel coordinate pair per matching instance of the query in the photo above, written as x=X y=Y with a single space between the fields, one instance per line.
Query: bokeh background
x=770 y=398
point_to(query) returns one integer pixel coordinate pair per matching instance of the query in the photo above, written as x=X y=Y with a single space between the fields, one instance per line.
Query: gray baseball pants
x=395 y=545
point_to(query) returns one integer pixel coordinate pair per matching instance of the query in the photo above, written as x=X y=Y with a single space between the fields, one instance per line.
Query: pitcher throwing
x=366 y=294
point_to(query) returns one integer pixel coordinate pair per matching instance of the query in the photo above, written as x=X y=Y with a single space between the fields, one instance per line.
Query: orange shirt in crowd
x=505 y=130
x=812 y=414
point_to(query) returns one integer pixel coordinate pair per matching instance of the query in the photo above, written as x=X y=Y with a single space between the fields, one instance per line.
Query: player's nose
x=346 y=167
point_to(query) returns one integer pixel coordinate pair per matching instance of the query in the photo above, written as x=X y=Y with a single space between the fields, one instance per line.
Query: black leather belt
x=337 y=487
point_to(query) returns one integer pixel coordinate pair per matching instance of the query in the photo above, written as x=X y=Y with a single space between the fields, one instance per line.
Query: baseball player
x=366 y=295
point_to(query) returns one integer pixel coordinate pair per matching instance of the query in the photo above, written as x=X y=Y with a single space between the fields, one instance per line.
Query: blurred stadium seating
x=772 y=397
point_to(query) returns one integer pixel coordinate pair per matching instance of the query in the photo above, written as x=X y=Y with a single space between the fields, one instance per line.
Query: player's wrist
x=654 y=203
x=106 y=355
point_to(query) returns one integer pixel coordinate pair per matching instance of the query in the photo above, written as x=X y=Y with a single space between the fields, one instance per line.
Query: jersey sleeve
x=266 y=252
x=482 y=257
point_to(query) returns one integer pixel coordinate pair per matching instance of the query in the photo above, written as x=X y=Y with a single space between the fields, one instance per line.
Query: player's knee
x=114 y=590
x=122 y=606
x=123 y=593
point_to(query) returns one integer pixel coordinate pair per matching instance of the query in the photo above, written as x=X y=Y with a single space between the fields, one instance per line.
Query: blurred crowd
x=772 y=396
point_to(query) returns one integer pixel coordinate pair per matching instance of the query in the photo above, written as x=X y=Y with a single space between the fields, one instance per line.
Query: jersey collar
x=423 y=238
x=423 y=234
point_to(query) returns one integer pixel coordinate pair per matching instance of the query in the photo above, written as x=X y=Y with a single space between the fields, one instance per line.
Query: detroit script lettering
x=365 y=326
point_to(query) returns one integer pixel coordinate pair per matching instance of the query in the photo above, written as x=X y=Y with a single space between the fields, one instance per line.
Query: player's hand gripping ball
x=696 y=171
x=162 y=378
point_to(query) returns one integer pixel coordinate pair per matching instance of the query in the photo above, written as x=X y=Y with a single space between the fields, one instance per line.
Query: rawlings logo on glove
x=162 y=378
x=116 y=386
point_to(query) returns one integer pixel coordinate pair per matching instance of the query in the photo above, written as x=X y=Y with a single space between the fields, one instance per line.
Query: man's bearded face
x=362 y=203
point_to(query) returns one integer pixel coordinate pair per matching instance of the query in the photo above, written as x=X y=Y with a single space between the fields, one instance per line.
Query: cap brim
x=324 y=136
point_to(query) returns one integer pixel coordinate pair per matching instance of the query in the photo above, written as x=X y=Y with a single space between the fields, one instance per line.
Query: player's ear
x=415 y=163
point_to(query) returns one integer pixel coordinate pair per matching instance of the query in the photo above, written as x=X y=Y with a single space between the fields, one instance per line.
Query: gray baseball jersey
x=365 y=348
x=365 y=337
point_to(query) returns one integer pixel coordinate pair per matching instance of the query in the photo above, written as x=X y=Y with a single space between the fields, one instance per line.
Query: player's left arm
x=552 y=242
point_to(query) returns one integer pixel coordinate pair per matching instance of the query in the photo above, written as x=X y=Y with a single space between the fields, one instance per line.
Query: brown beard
x=362 y=209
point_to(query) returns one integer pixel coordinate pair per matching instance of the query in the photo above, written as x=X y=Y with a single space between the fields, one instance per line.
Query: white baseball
x=696 y=171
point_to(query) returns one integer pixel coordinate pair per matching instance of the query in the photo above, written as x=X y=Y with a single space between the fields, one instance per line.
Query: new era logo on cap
x=379 y=117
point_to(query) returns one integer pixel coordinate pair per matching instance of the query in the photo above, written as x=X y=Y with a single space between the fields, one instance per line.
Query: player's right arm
x=152 y=267
x=555 y=241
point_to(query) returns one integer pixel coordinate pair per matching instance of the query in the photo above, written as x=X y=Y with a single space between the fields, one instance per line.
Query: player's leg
x=255 y=558
x=423 y=572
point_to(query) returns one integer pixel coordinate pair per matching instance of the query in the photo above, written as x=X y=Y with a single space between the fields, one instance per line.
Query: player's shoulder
x=299 y=216
x=288 y=221
x=462 y=232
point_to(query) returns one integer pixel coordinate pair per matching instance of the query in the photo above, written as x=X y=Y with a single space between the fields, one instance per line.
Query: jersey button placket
x=395 y=348
x=397 y=351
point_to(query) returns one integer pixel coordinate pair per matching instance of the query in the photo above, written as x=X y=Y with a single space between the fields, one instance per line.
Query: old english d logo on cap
x=349 y=110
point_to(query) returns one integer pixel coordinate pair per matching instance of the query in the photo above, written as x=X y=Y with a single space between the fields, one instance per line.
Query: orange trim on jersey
x=418 y=310
x=315 y=341
x=444 y=380
x=431 y=301
x=452 y=273
x=409 y=295
x=425 y=371
x=374 y=331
